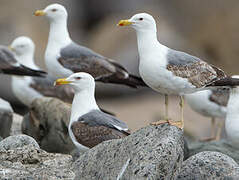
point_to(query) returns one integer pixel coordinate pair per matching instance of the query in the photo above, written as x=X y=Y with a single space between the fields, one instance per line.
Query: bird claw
x=178 y=124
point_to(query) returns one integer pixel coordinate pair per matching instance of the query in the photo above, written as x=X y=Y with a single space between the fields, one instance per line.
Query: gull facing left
x=169 y=71
x=88 y=125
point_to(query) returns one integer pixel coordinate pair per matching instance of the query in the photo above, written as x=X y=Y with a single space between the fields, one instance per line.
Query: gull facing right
x=169 y=71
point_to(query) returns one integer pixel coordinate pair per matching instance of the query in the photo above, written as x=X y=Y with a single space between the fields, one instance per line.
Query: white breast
x=54 y=68
x=22 y=90
x=152 y=68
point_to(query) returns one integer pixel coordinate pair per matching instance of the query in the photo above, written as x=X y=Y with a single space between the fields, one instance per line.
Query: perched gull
x=88 y=125
x=64 y=57
x=210 y=103
x=9 y=65
x=169 y=71
x=27 y=88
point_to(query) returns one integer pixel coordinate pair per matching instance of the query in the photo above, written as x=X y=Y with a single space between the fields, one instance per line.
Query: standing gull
x=9 y=65
x=210 y=103
x=88 y=125
x=169 y=71
x=64 y=57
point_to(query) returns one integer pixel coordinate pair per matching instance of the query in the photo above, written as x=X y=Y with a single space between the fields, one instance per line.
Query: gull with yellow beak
x=169 y=71
x=26 y=88
x=64 y=57
x=88 y=125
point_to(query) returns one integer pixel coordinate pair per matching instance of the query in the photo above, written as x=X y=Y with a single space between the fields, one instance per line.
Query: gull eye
x=141 y=19
x=77 y=78
x=54 y=10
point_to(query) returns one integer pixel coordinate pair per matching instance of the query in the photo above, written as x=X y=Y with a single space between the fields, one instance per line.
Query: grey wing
x=99 y=118
x=180 y=58
x=198 y=72
x=81 y=59
x=220 y=96
x=45 y=87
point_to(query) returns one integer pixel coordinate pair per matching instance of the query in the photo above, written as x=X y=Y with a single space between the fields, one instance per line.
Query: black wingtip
x=228 y=81
x=24 y=71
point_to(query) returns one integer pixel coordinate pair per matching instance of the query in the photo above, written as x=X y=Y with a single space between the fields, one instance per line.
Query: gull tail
x=24 y=71
x=228 y=81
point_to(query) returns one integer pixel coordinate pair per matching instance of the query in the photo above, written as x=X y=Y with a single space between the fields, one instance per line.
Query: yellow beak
x=124 y=23
x=61 y=82
x=39 y=13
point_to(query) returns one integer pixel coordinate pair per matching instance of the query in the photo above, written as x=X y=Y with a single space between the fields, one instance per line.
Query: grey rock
x=13 y=142
x=153 y=152
x=5 y=123
x=29 y=162
x=224 y=146
x=209 y=165
x=47 y=122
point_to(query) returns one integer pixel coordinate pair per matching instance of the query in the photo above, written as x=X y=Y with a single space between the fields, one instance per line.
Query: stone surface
x=47 y=122
x=13 y=142
x=153 y=152
x=5 y=123
x=29 y=162
x=224 y=146
x=209 y=165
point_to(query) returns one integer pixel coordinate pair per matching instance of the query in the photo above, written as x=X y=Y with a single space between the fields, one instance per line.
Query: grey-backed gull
x=64 y=57
x=169 y=71
x=88 y=125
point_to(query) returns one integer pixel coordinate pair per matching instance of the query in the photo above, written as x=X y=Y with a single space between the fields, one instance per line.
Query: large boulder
x=209 y=165
x=13 y=142
x=27 y=161
x=153 y=152
x=47 y=122
x=223 y=146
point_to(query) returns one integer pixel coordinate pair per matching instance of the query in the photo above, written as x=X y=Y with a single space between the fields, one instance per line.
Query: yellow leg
x=166 y=106
x=178 y=124
x=166 y=118
x=213 y=127
x=219 y=130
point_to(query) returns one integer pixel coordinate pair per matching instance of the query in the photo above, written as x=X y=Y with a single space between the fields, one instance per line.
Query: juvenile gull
x=64 y=57
x=88 y=125
x=9 y=65
x=169 y=71
x=210 y=103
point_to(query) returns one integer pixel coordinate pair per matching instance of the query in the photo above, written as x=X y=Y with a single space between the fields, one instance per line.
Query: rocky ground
x=152 y=152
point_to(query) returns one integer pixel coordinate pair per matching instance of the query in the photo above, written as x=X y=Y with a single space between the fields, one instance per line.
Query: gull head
x=22 y=46
x=79 y=81
x=140 y=22
x=53 y=12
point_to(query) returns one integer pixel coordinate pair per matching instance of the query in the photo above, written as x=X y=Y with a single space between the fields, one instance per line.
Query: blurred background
x=207 y=29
